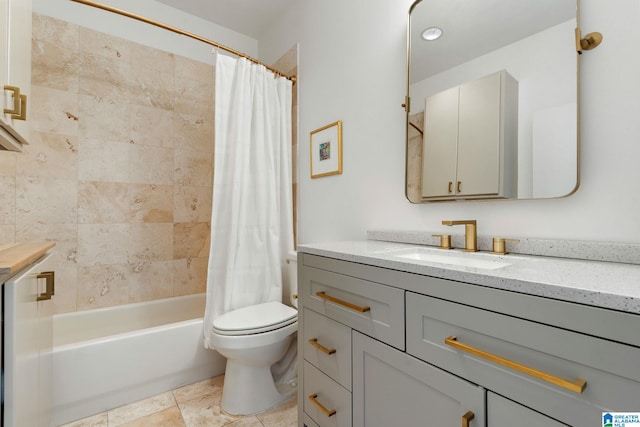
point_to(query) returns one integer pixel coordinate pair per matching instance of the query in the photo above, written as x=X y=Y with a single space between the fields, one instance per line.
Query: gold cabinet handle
x=576 y=386
x=466 y=418
x=459 y=187
x=50 y=277
x=313 y=398
x=16 y=101
x=343 y=303
x=450 y=187
x=314 y=342
x=19 y=110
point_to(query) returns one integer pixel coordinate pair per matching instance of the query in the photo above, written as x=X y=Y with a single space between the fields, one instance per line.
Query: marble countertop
x=596 y=283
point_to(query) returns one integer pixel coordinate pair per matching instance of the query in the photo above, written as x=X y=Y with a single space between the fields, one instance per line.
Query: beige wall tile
x=152 y=88
x=151 y=165
x=150 y=280
x=46 y=201
x=151 y=126
x=49 y=155
x=103 y=202
x=55 y=31
x=7 y=200
x=8 y=161
x=104 y=45
x=100 y=244
x=194 y=132
x=151 y=242
x=103 y=118
x=151 y=203
x=54 y=66
x=54 y=111
x=145 y=60
x=192 y=204
x=193 y=168
x=105 y=161
x=187 y=68
x=191 y=240
x=105 y=77
x=102 y=286
x=190 y=276
x=7 y=233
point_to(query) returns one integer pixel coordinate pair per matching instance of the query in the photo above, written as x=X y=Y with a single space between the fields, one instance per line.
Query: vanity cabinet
x=471 y=140
x=15 y=72
x=454 y=353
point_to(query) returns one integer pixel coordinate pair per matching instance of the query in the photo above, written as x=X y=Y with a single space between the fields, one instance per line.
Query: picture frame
x=326 y=150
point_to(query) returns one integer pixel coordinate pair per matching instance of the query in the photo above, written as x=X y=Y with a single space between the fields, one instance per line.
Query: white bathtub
x=108 y=357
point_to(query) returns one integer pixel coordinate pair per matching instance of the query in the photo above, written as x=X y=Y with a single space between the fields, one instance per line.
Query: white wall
x=147 y=34
x=352 y=68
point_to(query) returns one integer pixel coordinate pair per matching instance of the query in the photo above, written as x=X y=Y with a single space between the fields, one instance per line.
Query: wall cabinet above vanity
x=15 y=72
x=471 y=140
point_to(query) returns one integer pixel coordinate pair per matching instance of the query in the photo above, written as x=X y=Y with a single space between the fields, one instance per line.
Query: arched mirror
x=492 y=100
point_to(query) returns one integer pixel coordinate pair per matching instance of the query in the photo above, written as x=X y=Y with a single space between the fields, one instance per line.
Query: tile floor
x=194 y=405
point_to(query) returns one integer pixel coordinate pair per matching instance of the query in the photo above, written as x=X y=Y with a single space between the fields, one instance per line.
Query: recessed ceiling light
x=432 y=33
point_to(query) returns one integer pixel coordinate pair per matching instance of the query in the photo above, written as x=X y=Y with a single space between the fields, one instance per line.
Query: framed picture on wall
x=326 y=150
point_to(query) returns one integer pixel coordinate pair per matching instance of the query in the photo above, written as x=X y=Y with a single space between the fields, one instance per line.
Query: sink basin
x=454 y=258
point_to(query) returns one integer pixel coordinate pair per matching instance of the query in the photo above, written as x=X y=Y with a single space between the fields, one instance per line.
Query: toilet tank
x=290 y=286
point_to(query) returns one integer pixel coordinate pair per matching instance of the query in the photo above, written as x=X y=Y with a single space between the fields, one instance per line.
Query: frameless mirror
x=492 y=103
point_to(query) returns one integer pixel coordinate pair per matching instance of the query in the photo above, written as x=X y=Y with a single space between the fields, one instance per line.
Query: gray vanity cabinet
x=503 y=412
x=391 y=348
x=391 y=388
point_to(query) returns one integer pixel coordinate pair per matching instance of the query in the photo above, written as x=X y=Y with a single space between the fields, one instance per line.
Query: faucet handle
x=499 y=245
x=445 y=241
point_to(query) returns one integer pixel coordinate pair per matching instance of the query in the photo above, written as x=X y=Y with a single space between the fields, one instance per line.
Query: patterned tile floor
x=194 y=405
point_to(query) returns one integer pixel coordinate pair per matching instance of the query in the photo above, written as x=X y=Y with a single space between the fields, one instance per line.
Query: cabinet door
x=391 y=388
x=479 y=136
x=503 y=412
x=440 y=144
x=28 y=336
x=16 y=42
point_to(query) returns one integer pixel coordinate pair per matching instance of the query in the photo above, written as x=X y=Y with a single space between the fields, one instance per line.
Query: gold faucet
x=470 y=233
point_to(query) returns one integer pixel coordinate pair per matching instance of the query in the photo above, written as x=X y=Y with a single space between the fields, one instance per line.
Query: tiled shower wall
x=120 y=167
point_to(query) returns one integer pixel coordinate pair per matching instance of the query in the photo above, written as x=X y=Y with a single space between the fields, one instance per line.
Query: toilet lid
x=255 y=319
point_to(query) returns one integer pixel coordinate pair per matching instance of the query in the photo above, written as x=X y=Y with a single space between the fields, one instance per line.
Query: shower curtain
x=252 y=214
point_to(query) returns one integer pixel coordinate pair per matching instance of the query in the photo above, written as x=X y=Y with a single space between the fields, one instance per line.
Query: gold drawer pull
x=343 y=303
x=314 y=342
x=320 y=406
x=466 y=418
x=576 y=386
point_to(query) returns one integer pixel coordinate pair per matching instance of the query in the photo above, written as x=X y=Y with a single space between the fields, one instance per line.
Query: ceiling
x=249 y=17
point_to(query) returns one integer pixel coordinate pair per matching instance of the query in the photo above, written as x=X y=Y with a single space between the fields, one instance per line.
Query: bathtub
x=109 y=357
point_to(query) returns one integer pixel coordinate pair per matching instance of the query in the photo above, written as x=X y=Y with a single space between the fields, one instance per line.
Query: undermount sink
x=461 y=259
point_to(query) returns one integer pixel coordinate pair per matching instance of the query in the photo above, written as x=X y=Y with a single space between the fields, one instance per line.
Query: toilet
x=253 y=339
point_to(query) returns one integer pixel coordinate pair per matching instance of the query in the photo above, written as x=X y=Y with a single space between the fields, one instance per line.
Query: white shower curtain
x=252 y=215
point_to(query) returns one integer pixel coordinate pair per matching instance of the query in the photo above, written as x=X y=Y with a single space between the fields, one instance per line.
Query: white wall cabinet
x=28 y=341
x=573 y=361
x=471 y=140
x=15 y=72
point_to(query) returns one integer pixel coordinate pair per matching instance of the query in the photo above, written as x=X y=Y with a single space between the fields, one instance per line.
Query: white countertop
x=601 y=284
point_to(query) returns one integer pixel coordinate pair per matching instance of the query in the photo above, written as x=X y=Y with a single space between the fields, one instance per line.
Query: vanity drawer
x=327 y=346
x=371 y=308
x=610 y=369
x=325 y=401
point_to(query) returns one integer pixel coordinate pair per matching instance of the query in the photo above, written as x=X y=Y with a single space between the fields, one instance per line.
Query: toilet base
x=248 y=390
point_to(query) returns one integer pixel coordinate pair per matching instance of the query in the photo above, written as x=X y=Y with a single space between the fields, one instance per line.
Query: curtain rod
x=181 y=32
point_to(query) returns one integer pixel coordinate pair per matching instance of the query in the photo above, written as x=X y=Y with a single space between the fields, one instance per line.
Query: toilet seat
x=255 y=319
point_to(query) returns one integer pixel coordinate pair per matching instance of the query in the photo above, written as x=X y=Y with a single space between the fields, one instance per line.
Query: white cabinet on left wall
x=15 y=72
x=28 y=282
